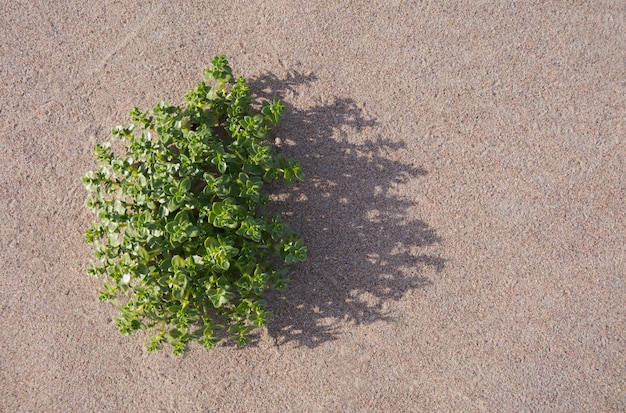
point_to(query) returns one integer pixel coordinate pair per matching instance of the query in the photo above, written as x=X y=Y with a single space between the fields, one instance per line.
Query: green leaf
x=220 y=296
x=143 y=254
x=178 y=262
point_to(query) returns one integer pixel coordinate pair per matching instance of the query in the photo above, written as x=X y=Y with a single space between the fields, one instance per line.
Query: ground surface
x=464 y=207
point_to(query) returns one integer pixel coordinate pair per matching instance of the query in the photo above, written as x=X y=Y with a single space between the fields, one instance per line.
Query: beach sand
x=463 y=207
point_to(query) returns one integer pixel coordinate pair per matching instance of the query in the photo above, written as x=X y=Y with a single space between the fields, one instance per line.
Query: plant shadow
x=365 y=250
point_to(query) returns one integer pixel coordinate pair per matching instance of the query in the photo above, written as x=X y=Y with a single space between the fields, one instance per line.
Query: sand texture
x=463 y=209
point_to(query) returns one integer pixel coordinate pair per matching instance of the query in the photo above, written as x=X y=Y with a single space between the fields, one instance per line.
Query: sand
x=463 y=208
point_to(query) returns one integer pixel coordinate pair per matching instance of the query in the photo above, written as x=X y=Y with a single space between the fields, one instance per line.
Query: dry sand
x=464 y=207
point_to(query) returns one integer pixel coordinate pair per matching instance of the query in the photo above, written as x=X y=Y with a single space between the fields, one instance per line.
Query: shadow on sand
x=365 y=248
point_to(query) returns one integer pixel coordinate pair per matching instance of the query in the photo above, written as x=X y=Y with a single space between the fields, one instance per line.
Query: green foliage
x=181 y=245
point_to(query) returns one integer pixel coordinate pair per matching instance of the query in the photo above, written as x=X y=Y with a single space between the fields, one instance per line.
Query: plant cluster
x=181 y=244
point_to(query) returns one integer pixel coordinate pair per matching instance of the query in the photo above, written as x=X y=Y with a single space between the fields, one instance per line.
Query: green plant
x=181 y=244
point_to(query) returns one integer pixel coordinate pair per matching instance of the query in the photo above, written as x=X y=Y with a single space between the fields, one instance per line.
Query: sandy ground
x=464 y=207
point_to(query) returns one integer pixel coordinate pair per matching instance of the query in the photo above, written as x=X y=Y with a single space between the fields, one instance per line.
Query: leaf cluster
x=180 y=243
